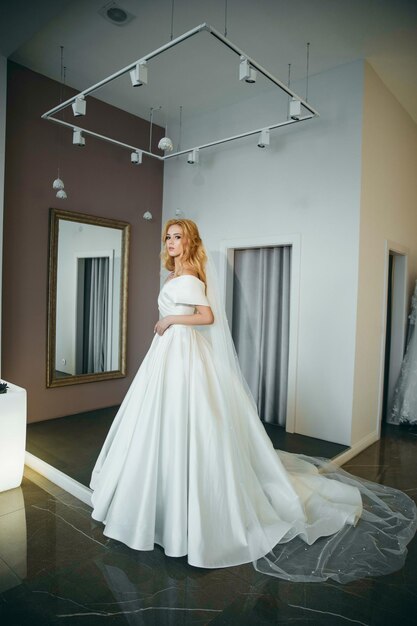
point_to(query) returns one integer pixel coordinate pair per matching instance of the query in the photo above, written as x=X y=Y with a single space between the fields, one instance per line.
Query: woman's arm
x=203 y=317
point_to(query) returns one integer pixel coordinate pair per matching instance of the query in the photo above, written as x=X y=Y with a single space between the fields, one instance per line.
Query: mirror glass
x=87 y=298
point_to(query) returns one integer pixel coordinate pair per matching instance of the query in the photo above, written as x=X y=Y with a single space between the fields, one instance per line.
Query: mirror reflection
x=87 y=298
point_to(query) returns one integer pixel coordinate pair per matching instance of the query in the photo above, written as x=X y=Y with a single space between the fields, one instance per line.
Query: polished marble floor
x=55 y=441
x=56 y=567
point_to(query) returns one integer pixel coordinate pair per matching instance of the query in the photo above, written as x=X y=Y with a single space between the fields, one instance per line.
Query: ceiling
x=198 y=74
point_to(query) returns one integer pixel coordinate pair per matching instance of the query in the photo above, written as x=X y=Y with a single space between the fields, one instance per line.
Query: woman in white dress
x=188 y=465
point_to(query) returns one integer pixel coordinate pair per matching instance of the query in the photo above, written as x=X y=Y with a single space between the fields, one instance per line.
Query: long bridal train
x=188 y=465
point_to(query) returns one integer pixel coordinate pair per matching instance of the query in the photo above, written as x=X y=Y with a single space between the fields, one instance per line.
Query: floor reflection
x=13 y=539
x=56 y=567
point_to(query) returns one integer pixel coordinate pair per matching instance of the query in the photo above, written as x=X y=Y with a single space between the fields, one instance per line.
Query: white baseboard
x=57 y=477
x=358 y=447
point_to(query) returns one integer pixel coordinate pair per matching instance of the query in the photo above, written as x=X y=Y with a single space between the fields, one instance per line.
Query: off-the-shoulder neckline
x=170 y=280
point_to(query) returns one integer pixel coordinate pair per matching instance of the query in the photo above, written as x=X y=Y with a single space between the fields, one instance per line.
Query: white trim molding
x=57 y=477
x=356 y=449
x=398 y=249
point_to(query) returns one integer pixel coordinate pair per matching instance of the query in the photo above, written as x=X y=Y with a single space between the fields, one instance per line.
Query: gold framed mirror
x=87 y=298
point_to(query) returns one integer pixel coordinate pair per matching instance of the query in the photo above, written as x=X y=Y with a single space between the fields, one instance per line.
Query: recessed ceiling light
x=115 y=14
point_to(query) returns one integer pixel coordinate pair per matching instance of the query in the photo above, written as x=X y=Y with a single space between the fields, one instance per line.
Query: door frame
x=400 y=297
x=226 y=263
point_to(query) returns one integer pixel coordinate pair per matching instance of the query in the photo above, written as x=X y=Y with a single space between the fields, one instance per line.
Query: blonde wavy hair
x=194 y=254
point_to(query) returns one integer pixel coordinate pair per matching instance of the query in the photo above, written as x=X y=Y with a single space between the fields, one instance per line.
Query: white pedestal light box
x=12 y=436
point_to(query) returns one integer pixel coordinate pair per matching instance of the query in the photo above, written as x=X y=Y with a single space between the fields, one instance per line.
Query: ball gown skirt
x=179 y=470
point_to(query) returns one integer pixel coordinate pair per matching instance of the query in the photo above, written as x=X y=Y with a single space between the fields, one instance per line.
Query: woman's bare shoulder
x=170 y=276
x=189 y=271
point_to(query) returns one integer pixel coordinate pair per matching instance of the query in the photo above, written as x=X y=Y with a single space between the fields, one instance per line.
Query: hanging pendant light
x=58 y=183
x=166 y=144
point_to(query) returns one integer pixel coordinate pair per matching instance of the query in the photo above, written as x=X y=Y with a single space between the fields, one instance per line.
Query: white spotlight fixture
x=264 y=138
x=79 y=106
x=77 y=138
x=295 y=109
x=139 y=74
x=61 y=194
x=147 y=216
x=246 y=71
x=136 y=157
x=193 y=156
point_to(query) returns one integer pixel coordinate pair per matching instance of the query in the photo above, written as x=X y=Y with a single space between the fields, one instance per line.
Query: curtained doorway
x=260 y=325
x=395 y=328
x=93 y=315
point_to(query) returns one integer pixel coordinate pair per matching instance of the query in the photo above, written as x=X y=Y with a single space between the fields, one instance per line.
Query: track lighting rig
x=299 y=109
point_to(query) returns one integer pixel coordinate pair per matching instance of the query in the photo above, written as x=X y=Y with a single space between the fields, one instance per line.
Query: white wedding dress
x=185 y=468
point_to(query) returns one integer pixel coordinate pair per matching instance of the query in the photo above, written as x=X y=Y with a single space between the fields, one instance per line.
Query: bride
x=187 y=463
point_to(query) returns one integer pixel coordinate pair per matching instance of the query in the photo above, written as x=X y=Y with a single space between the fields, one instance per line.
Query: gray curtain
x=260 y=325
x=96 y=315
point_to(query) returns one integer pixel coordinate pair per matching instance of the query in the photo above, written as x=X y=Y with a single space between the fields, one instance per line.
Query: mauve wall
x=99 y=180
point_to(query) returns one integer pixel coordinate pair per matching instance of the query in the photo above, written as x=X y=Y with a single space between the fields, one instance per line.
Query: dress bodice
x=180 y=296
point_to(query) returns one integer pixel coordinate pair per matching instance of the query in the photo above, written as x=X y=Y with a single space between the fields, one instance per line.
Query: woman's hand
x=203 y=317
x=162 y=325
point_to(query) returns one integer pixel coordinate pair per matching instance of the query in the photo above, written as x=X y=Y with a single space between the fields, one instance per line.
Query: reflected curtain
x=96 y=314
x=260 y=325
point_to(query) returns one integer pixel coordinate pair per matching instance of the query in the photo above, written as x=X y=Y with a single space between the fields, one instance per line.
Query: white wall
x=388 y=219
x=3 y=95
x=306 y=182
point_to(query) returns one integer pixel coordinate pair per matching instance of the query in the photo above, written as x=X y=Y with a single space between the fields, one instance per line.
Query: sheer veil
x=376 y=545
x=219 y=335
